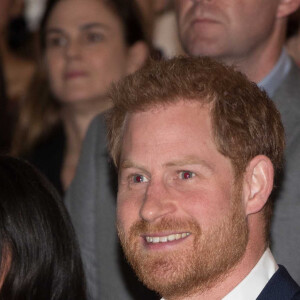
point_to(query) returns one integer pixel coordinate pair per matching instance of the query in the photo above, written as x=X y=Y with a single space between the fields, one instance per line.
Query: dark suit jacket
x=280 y=287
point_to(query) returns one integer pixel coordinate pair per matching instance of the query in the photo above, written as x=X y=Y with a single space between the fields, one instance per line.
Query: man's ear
x=138 y=54
x=258 y=183
x=287 y=7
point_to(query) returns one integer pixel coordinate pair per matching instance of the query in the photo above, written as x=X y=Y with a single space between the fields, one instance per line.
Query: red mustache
x=143 y=227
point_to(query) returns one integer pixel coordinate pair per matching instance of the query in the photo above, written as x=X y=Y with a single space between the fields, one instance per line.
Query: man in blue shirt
x=250 y=35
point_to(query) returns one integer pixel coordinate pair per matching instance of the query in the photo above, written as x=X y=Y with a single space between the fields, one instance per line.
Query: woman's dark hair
x=126 y=10
x=40 y=258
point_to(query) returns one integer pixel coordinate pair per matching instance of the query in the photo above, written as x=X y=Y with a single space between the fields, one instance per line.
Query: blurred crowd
x=44 y=123
x=58 y=60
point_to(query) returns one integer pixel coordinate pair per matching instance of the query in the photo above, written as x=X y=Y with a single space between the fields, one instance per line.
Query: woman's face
x=85 y=50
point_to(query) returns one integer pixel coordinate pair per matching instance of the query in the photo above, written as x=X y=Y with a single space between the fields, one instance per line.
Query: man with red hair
x=197 y=147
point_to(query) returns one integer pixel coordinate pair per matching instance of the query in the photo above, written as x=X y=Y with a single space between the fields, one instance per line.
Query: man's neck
x=229 y=281
x=256 y=67
x=258 y=62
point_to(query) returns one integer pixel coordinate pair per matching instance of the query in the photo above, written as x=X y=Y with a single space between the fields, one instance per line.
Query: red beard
x=207 y=258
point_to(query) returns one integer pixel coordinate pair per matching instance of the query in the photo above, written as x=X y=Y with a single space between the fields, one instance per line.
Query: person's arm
x=80 y=201
x=91 y=201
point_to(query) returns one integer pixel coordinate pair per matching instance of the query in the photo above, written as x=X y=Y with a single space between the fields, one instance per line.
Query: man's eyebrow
x=189 y=160
x=127 y=164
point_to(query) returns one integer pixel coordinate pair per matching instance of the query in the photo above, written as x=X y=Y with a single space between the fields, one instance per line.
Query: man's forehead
x=183 y=124
x=166 y=119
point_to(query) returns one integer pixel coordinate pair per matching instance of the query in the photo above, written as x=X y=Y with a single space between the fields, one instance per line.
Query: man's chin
x=165 y=275
x=183 y=273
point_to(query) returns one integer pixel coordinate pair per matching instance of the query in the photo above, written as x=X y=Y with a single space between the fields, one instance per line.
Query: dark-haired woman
x=40 y=257
x=86 y=45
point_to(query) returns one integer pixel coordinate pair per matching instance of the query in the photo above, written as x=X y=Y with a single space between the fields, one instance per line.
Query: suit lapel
x=280 y=287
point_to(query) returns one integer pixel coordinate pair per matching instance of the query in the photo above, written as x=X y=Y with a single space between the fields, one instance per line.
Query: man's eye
x=139 y=178
x=186 y=174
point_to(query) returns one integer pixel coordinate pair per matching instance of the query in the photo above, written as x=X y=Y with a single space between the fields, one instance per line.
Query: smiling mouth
x=167 y=238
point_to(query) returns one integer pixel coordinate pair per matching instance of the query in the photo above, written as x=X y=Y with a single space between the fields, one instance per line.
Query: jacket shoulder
x=281 y=286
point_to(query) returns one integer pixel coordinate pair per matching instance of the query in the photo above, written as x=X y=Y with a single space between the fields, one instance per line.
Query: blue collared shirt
x=274 y=79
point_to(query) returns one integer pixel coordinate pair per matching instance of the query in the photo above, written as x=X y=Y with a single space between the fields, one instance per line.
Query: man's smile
x=166 y=238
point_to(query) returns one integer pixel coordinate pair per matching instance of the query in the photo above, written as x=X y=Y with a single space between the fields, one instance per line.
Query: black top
x=48 y=156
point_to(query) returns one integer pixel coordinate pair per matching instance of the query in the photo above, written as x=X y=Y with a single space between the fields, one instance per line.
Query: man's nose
x=157 y=203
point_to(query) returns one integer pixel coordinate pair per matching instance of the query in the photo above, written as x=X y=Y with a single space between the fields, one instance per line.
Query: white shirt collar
x=256 y=280
x=252 y=285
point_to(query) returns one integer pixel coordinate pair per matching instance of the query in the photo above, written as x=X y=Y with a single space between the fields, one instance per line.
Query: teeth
x=155 y=240
x=171 y=237
x=163 y=239
x=168 y=238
